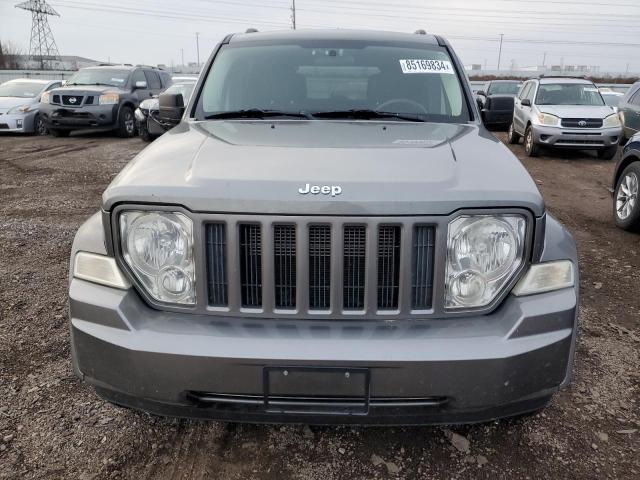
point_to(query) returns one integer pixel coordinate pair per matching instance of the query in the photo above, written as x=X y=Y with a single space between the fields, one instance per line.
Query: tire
x=144 y=133
x=608 y=153
x=59 y=133
x=126 y=123
x=626 y=204
x=39 y=127
x=512 y=137
x=531 y=148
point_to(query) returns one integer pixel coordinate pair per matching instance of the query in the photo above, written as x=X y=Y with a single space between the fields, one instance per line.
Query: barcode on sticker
x=426 y=66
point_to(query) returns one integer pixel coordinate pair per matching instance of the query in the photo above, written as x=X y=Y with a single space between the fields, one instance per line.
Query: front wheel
x=531 y=148
x=608 y=153
x=126 y=123
x=39 y=127
x=626 y=209
x=512 y=137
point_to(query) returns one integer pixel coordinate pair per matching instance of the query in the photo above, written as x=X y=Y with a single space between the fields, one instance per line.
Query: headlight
x=548 y=120
x=612 y=121
x=109 y=98
x=158 y=247
x=44 y=98
x=483 y=253
x=19 y=109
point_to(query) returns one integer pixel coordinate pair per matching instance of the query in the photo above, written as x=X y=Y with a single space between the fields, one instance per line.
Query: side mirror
x=481 y=92
x=171 y=108
x=525 y=102
x=141 y=84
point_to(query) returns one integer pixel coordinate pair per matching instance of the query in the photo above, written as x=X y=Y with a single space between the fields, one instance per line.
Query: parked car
x=629 y=112
x=496 y=101
x=612 y=98
x=150 y=126
x=330 y=235
x=102 y=97
x=20 y=105
x=625 y=187
x=564 y=112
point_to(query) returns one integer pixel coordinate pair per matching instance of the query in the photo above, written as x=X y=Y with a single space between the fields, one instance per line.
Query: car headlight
x=612 y=121
x=19 y=109
x=548 y=120
x=109 y=98
x=158 y=247
x=45 y=97
x=483 y=253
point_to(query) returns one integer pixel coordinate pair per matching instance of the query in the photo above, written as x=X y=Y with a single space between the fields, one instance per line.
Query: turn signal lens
x=546 y=277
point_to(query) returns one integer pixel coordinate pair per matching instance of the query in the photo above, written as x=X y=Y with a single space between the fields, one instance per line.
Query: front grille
x=251 y=266
x=56 y=99
x=319 y=267
x=72 y=100
x=284 y=268
x=388 y=267
x=283 y=265
x=576 y=122
x=579 y=142
x=354 y=267
x=89 y=100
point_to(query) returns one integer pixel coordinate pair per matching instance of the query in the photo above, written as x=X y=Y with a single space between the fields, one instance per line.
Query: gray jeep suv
x=564 y=112
x=103 y=97
x=329 y=235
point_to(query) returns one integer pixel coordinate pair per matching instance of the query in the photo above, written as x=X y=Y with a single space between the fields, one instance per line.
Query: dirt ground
x=52 y=426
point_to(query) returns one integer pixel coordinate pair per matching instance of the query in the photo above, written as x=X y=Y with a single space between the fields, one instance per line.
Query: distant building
x=64 y=62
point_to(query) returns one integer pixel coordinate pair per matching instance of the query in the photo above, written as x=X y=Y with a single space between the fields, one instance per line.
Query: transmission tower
x=42 y=47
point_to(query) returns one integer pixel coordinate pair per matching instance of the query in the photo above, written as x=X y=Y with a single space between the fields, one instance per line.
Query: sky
x=568 y=32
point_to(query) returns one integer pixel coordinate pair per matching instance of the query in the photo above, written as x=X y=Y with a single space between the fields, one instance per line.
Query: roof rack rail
x=420 y=31
x=251 y=30
x=577 y=77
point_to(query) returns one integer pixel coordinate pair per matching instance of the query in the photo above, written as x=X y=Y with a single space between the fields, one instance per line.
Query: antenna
x=42 y=43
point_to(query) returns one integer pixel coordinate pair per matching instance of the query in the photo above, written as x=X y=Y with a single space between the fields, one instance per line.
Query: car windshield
x=335 y=79
x=569 y=94
x=504 y=88
x=101 y=76
x=183 y=88
x=20 y=89
x=612 y=100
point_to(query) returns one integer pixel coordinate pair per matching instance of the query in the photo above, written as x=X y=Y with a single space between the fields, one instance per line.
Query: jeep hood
x=383 y=168
x=577 y=111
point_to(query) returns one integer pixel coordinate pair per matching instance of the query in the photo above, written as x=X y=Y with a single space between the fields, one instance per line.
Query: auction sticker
x=426 y=66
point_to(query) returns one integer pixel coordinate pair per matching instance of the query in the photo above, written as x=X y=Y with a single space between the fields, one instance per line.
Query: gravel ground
x=53 y=426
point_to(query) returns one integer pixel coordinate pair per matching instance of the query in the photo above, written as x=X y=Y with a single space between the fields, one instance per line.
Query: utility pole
x=198 y=49
x=293 y=14
x=500 y=51
x=182 y=55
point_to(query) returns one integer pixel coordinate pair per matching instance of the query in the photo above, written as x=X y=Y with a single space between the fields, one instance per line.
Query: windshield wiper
x=256 y=113
x=366 y=114
x=95 y=83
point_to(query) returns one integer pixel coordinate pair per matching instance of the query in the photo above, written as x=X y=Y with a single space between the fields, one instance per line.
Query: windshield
x=91 y=76
x=504 y=88
x=611 y=99
x=569 y=94
x=20 y=89
x=336 y=77
x=183 y=88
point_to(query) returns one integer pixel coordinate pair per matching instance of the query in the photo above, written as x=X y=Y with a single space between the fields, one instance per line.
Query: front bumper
x=87 y=116
x=461 y=370
x=576 y=138
x=17 y=123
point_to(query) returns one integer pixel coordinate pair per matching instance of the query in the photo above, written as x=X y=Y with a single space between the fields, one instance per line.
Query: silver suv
x=566 y=113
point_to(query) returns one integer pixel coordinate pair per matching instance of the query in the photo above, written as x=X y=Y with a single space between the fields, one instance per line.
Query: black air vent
x=319 y=267
x=217 y=264
x=354 y=267
x=388 y=267
x=284 y=256
x=422 y=275
x=251 y=266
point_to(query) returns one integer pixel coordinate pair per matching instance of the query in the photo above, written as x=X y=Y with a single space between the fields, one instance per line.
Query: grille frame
x=301 y=312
